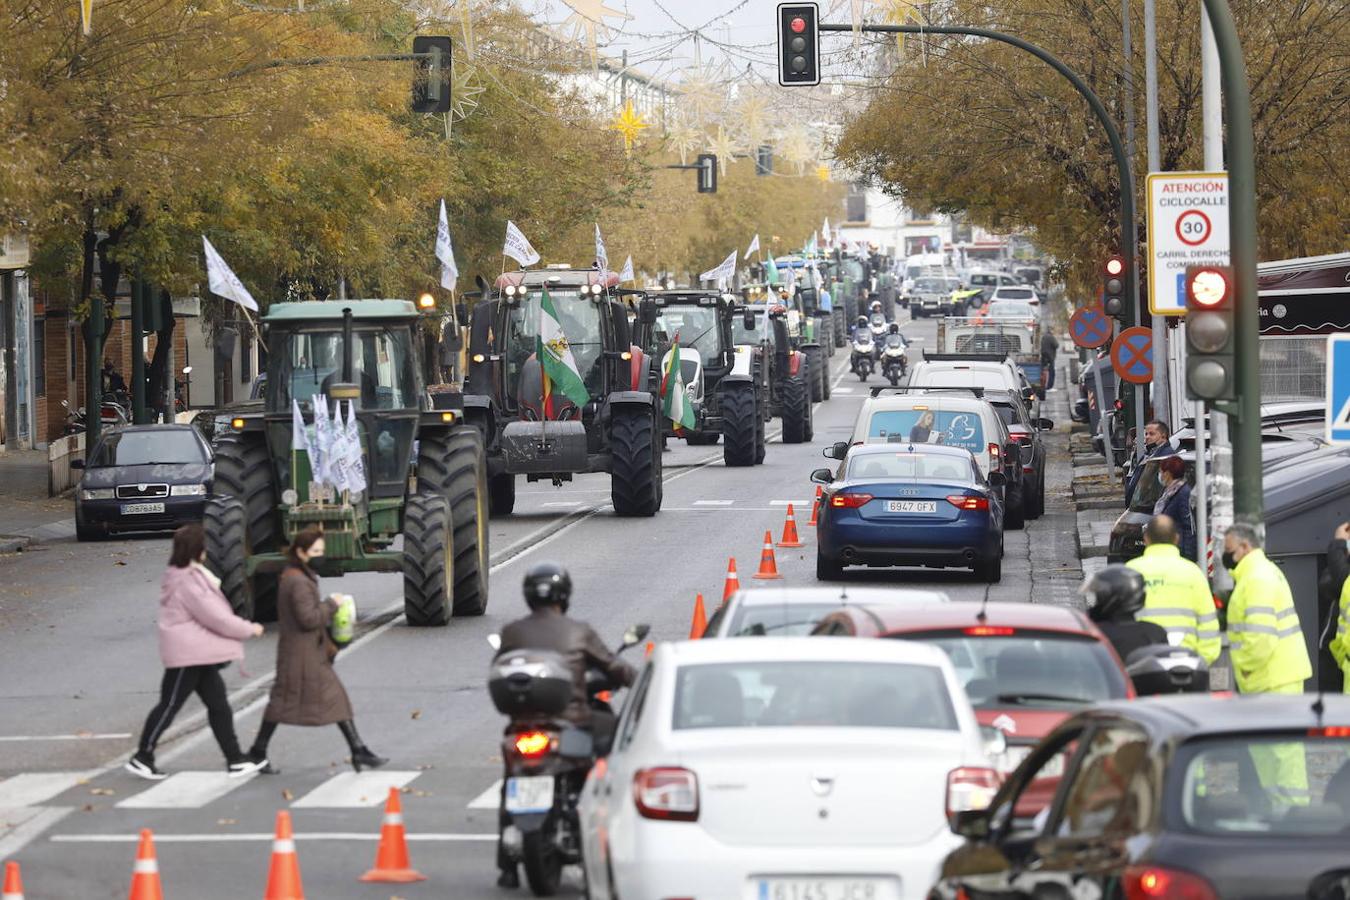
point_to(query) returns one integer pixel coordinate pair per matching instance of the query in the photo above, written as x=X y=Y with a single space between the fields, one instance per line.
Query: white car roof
x=794 y=649
x=909 y=401
x=788 y=596
x=979 y=365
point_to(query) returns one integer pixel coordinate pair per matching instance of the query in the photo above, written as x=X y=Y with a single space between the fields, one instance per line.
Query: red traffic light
x=798 y=24
x=1208 y=287
x=1115 y=266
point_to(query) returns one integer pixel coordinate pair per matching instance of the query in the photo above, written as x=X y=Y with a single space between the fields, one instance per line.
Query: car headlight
x=96 y=493
x=188 y=490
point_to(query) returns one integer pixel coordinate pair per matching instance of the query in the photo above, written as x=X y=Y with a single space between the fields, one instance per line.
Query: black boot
x=362 y=757
x=510 y=878
x=258 y=753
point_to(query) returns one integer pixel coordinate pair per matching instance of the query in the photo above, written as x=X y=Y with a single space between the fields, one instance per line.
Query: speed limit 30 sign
x=1187 y=226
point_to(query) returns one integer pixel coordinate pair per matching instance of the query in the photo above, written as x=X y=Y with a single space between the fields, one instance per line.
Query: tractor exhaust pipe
x=347 y=345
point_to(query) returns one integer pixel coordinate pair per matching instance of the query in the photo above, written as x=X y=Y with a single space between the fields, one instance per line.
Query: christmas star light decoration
x=703 y=92
x=753 y=115
x=681 y=138
x=588 y=20
x=900 y=12
x=725 y=147
x=857 y=13
x=464 y=92
x=823 y=172
x=797 y=147
x=630 y=124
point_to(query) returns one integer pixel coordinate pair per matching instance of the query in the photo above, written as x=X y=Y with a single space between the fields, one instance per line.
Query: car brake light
x=971 y=788
x=849 y=501
x=666 y=793
x=1023 y=439
x=961 y=501
x=989 y=631
x=533 y=744
x=1157 y=883
x=1331 y=731
x=995 y=451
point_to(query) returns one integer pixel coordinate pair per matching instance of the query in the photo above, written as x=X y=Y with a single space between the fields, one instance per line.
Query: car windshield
x=696 y=327
x=1012 y=293
x=936 y=284
x=986 y=340
x=143 y=448
x=807 y=694
x=922 y=425
x=911 y=466
x=1008 y=413
x=1011 y=309
x=1291 y=786
x=309 y=362
x=777 y=619
x=983 y=280
x=579 y=318
x=1003 y=669
x=962 y=376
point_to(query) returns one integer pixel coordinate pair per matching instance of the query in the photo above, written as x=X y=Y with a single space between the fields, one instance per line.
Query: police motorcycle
x=862 y=359
x=546 y=758
x=879 y=328
x=894 y=362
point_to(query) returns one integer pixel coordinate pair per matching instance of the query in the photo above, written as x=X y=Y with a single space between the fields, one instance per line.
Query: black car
x=143 y=478
x=1180 y=798
x=1026 y=430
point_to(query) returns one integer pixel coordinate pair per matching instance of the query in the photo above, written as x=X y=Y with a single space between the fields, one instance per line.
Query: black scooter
x=546 y=758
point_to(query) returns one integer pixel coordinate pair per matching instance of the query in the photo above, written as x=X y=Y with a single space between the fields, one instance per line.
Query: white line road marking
x=786 y=502
x=713 y=502
x=36 y=788
x=841 y=390
x=569 y=504
x=16 y=738
x=355 y=789
x=186 y=790
x=489 y=799
x=25 y=825
x=264 y=837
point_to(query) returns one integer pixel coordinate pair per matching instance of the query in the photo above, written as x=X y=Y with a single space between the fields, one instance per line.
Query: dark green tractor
x=426 y=479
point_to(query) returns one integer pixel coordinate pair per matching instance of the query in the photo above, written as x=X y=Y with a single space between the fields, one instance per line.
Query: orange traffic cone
x=283 y=876
x=391 y=859
x=13 y=889
x=145 y=876
x=733 y=583
x=700 y=622
x=790 y=538
x=768 y=566
x=815 y=507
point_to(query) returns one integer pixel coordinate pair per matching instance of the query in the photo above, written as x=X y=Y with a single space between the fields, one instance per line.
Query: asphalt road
x=79 y=670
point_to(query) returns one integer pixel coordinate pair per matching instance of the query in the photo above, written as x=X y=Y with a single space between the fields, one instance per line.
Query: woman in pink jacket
x=198 y=636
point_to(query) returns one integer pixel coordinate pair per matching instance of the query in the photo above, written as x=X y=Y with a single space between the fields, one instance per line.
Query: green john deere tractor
x=425 y=474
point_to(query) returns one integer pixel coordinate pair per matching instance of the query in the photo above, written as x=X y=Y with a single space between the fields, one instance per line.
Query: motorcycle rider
x=1115 y=594
x=548 y=592
x=861 y=327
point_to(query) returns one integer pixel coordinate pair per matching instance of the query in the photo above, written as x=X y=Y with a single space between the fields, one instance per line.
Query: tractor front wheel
x=225 y=524
x=635 y=462
x=840 y=327
x=740 y=424
x=502 y=494
x=796 y=409
x=457 y=458
x=243 y=470
x=815 y=363
x=428 y=560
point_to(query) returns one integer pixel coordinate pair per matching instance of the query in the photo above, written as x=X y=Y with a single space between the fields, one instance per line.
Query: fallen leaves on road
x=287 y=795
x=227 y=822
x=102 y=792
x=119 y=562
x=416 y=714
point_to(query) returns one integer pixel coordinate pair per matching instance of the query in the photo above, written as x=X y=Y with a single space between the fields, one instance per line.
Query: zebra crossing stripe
x=185 y=790
x=36 y=788
x=355 y=789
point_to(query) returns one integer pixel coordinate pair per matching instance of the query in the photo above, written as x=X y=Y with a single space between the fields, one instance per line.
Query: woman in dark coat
x=1175 y=501
x=307 y=690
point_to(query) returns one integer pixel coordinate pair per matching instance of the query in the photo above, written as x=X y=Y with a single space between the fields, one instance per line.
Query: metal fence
x=1293 y=368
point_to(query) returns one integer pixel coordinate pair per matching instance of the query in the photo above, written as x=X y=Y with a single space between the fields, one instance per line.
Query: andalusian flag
x=672 y=390
x=555 y=358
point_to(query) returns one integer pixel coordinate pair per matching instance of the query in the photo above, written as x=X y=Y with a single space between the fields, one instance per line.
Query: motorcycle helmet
x=547 y=584
x=1113 y=594
x=876 y=306
x=895 y=328
x=862 y=320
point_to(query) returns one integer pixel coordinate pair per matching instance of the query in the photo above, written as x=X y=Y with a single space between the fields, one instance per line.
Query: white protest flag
x=445 y=252
x=518 y=247
x=722 y=273
x=321 y=463
x=754 y=245
x=626 y=273
x=223 y=282
x=356 y=464
x=299 y=440
x=825 y=229
x=601 y=256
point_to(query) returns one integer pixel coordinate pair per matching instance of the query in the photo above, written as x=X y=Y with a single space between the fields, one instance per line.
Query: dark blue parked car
x=903 y=504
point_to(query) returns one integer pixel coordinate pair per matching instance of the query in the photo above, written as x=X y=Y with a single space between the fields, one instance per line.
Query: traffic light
x=431 y=84
x=764 y=160
x=1113 y=288
x=707 y=173
x=798 y=44
x=1210 y=360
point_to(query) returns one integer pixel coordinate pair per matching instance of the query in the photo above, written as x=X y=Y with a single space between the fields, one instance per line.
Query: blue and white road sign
x=1338 y=388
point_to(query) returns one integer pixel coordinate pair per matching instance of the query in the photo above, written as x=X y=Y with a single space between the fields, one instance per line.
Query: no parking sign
x=1187 y=226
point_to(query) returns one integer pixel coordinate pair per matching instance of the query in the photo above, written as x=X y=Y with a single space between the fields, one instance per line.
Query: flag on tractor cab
x=356 y=462
x=674 y=402
x=770 y=271
x=555 y=359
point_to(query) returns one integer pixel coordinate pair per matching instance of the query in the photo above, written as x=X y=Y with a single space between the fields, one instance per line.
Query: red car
x=1026 y=666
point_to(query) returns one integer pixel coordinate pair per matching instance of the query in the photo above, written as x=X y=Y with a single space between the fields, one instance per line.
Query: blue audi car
x=903 y=504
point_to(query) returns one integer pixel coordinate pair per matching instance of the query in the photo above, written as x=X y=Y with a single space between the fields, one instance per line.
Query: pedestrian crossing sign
x=1338 y=388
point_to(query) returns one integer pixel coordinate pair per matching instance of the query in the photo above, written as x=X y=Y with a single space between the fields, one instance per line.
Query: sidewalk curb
x=14 y=543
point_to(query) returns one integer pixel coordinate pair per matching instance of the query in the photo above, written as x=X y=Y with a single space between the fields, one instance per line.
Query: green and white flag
x=555 y=357
x=673 y=398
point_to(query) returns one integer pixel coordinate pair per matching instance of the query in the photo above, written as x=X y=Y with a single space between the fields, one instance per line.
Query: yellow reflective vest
x=1179 y=600
x=1264 y=636
x=1340 y=645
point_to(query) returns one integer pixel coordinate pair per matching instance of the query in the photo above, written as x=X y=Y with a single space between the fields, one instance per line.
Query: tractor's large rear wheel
x=225 y=524
x=635 y=462
x=796 y=409
x=428 y=560
x=815 y=364
x=825 y=329
x=740 y=423
x=243 y=470
x=452 y=463
x=840 y=326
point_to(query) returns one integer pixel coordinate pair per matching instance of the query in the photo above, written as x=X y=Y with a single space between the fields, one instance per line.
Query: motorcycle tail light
x=666 y=793
x=1159 y=883
x=533 y=744
x=849 y=501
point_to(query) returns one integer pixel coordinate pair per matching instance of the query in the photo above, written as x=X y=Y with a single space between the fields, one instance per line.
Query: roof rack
x=964 y=357
x=928 y=388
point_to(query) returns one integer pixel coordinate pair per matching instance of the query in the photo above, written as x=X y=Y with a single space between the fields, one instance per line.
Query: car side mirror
x=748 y=318
x=647 y=312
x=998 y=479
x=822 y=476
x=837 y=450
x=971 y=824
x=77 y=464
x=634 y=636
x=995 y=741
x=1045 y=424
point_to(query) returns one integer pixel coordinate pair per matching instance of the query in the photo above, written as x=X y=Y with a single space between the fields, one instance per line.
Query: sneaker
x=142 y=765
x=245 y=766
